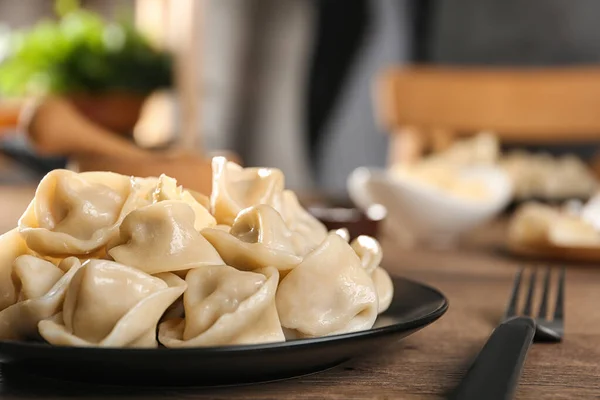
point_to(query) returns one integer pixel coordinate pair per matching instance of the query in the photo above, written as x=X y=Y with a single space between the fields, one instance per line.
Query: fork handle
x=495 y=373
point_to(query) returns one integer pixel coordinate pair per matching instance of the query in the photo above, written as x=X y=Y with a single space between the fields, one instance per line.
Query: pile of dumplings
x=106 y=260
x=536 y=225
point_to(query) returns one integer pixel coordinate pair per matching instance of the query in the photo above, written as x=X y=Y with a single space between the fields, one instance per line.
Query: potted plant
x=106 y=69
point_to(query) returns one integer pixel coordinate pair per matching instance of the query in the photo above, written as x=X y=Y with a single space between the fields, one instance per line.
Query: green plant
x=80 y=52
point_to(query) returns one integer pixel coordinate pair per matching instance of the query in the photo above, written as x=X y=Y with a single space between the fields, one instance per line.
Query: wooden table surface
x=476 y=278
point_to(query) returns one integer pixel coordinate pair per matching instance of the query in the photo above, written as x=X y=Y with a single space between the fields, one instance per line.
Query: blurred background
x=315 y=88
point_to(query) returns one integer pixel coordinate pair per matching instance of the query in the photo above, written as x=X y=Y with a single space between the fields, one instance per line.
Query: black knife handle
x=495 y=373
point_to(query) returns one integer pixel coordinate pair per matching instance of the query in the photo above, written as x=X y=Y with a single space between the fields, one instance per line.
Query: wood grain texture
x=520 y=105
x=476 y=278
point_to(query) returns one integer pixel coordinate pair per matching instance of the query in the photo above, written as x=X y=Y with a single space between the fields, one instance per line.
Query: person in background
x=290 y=81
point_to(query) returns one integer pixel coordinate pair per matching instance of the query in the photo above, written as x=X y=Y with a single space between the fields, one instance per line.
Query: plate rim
x=419 y=322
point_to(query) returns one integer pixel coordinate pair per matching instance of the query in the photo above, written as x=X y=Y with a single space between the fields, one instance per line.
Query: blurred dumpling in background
x=161 y=237
x=481 y=149
x=75 y=214
x=258 y=238
x=42 y=291
x=572 y=231
x=111 y=305
x=235 y=188
x=537 y=225
x=543 y=176
x=328 y=293
x=224 y=306
x=530 y=224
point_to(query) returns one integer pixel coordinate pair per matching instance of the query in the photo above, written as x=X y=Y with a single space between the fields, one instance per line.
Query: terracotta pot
x=115 y=111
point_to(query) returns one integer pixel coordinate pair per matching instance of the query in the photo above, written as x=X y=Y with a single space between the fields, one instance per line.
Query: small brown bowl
x=336 y=214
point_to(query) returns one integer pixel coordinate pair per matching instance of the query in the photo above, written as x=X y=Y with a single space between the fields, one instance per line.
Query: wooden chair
x=427 y=107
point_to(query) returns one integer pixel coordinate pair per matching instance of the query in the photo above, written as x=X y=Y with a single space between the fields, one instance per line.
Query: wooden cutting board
x=588 y=255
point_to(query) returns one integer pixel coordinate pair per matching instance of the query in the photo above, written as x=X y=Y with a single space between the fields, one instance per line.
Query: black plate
x=414 y=307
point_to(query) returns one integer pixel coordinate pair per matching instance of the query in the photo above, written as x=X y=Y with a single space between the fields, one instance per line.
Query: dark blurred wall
x=513 y=32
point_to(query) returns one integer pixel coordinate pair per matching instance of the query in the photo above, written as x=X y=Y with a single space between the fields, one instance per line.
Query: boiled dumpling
x=235 y=188
x=75 y=214
x=302 y=222
x=343 y=233
x=370 y=253
x=224 y=306
x=161 y=237
x=257 y=239
x=43 y=287
x=384 y=287
x=12 y=246
x=111 y=305
x=573 y=231
x=35 y=276
x=224 y=228
x=531 y=223
x=142 y=191
x=202 y=199
x=328 y=293
x=167 y=189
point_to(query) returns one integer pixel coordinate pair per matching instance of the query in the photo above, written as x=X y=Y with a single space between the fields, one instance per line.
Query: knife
x=496 y=371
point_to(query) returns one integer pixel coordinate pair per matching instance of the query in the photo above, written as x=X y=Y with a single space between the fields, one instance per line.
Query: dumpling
x=384 y=287
x=302 y=222
x=224 y=228
x=235 y=188
x=167 y=189
x=202 y=199
x=75 y=214
x=343 y=233
x=161 y=238
x=12 y=246
x=111 y=305
x=257 y=239
x=43 y=286
x=531 y=223
x=224 y=306
x=143 y=191
x=369 y=251
x=35 y=276
x=328 y=293
x=370 y=254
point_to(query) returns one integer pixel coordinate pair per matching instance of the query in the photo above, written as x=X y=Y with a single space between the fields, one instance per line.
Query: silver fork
x=496 y=370
x=547 y=329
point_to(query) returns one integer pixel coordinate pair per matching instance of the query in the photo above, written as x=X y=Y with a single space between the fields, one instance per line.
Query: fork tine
x=560 y=297
x=514 y=296
x=529 y=302
x=543 y=312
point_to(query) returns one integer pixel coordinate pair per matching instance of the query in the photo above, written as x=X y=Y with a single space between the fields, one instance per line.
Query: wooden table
x=477 y=280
